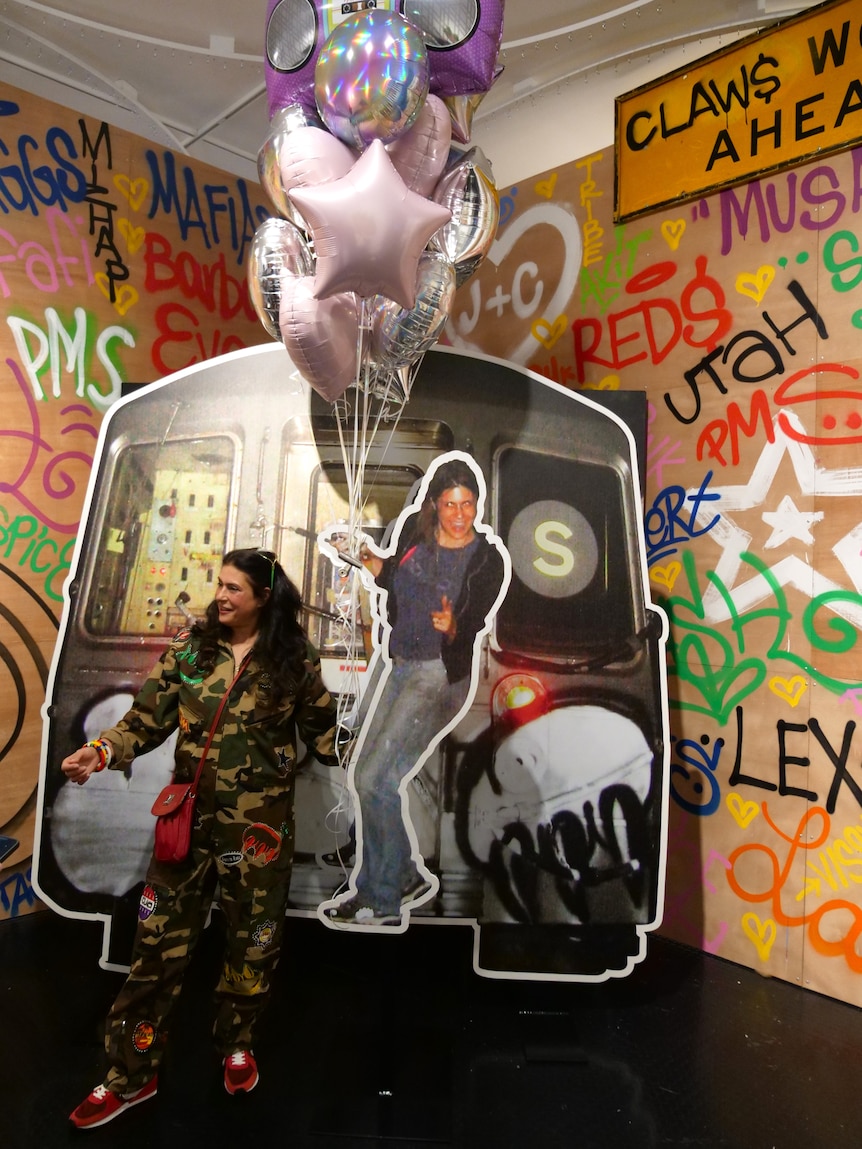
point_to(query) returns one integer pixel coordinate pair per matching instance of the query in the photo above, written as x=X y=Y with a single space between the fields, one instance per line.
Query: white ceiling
x=188 y=74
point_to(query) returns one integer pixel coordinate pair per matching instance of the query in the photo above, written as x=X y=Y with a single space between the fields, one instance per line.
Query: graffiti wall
x=739 y=315
x=119 y=262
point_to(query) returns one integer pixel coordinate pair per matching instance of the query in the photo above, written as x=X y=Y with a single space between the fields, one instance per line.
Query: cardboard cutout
x=537 y=812
x=442 y=579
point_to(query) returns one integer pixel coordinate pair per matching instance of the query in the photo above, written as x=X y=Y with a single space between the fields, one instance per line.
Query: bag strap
x=217 y=719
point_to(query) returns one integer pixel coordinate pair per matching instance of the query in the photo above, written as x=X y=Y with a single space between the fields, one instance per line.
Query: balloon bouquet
x=383 y=207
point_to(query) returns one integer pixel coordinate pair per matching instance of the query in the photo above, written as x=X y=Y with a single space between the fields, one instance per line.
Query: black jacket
x=482 y=581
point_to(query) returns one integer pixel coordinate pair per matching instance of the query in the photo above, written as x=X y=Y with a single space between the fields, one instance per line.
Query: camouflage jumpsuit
x=242 y=841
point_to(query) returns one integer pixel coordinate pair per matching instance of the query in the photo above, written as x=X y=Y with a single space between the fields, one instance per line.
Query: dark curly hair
x=452 y=473
x=282 y=645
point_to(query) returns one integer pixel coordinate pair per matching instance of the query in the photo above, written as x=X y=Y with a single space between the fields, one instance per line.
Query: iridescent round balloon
x=371 y=77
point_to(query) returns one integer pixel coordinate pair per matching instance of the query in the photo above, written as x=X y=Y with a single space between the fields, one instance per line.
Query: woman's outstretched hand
x=79 y=766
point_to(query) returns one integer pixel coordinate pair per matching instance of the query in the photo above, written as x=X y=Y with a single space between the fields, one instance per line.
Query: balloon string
x=379 y=399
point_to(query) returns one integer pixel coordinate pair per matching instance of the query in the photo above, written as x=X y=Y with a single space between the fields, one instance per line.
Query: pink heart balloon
x=421 y=153
x=321 y=335
x=309 y=156
x=284 y=122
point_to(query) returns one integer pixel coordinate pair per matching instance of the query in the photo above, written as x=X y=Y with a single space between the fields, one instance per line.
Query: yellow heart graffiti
x=548 y=333
x=608 y=383
x=761 y=934
x=124 y=297
x=135 y=191
x=134 y=236
x=744 y=812
x=788 y=689
x=666 y=576
x=755 y=285
x=546 y=187
x=672 y=231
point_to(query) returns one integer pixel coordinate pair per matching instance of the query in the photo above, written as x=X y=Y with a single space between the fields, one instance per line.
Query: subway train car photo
x=543 y=812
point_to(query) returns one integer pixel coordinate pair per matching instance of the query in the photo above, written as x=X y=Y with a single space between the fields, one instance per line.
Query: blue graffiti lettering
x=693 y=784
x=179 y=196
x=17 y=892
x=671 y=519
x=27 y=182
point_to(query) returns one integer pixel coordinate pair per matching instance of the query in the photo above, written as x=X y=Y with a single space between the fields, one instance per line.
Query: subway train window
x=563 y=521
x=330 y=589
x=314 y=497
x=163 y=531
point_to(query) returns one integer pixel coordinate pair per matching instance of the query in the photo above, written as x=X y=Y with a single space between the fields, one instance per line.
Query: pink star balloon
x=369 y=229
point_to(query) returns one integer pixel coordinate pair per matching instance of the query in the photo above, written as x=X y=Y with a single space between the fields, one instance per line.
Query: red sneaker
x=240 y=1071
x=102 y=1106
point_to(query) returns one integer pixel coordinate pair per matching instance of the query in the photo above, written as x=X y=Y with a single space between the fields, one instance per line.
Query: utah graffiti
x=744 y=349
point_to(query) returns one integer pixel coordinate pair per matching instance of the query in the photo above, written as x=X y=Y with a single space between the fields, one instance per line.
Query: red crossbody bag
x=175 y=806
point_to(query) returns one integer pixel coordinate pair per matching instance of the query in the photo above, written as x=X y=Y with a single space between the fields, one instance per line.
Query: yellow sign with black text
x=773 y=100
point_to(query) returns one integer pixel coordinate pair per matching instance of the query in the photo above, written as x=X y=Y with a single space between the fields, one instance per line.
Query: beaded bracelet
x=103 y=749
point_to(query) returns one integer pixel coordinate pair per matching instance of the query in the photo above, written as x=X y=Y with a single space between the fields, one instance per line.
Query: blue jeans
x=416 y=703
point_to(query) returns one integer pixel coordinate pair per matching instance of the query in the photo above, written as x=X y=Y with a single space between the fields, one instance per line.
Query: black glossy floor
x=395 y=1042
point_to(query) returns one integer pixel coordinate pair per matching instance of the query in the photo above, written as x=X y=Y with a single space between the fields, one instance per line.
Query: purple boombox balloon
x=462 y=37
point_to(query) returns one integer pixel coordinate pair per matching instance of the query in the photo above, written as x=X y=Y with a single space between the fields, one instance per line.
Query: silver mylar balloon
x=399 y=336
x=371 y=77
x=391 y=385
x=467 y=189
x=461 y=111
x=278 y=249
x=285 y=121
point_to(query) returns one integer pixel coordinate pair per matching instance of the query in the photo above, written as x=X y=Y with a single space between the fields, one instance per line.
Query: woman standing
x=251 y=649
x=444 y=582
